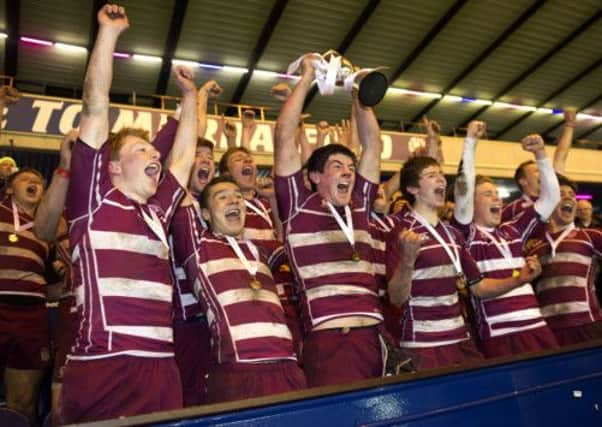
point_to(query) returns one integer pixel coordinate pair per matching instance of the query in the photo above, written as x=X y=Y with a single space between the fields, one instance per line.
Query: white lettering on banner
x=131 y=118
x=262 y=138
x=4 y=113
x=387 y=146
x=45 y=109
x=68 y=118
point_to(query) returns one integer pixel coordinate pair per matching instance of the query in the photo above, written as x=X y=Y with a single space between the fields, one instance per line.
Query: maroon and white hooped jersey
x=516 y=207
x=498 y=252
x=432 y=315
x=120 y=255
x=247 y=325
x=259 y=224
x=566 y=287
x=23 y=256
x=332 y=285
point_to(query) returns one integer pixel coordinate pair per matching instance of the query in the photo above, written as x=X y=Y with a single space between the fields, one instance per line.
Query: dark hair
x=563 y=180
x=204 y=202
x=222 y=166
x=410 y=174
x=14 y=175
x=519 y=173
x=204 y=142
x=319 y=157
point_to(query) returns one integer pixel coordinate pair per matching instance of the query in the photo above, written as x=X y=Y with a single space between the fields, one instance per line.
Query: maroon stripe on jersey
x=435 y=313
x=328 y=252
x=516 y=323
x=125 y=342
x=452 y=334
x=509 y=304
x=265 y=348
x=569 y=293
x=565 y=269
x=136 y=312
x=434 y=287
x=138 y=266
x=253 y=311
x=26 y=265
x=361 y=304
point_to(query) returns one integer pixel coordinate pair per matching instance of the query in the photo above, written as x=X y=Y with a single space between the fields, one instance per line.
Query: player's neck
x=427 y=212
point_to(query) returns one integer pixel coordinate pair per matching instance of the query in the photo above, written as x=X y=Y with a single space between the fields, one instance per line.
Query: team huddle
x=181 y=288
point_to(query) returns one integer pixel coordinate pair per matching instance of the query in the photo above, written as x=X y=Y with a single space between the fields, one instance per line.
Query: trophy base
x=372 y=88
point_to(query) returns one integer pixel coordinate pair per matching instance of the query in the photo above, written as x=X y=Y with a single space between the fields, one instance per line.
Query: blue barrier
x=559 y=389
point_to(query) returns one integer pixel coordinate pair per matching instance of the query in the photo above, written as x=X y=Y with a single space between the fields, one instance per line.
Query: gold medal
x=284 y=268
x=13 y=238
x=355 y=256
x=255 y=284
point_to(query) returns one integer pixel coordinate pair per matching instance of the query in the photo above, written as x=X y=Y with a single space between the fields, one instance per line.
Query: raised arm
x=248 y=128
x=287 y=159
x=549 y=194
x=50 y=209
x=563 y=145
x=465 y=181
x=209 y=89
x=230 y=133
x=433 y=139
x=369 y=136
x=94 y=123
x=181 y=157
x=304 y=145
x=400 y=283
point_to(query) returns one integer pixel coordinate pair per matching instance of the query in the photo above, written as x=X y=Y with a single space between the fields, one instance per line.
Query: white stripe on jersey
x=566 y=257
x=505 y=331
x=234 y=296
x=513 y=316
x=299 y=240
x=128 y=243
x=260 y=330
x=444 y=271
x=438 y=325
x=188 y=299
x=222 y=265
x=324 y=291
x=259 y=233
x=446 y=300
x=134 y=288
x=327 y=268
x=561 y=282
x=565 y=308
x=161 y=333
x=14 y=275
x=496 y=264
x=22 y=253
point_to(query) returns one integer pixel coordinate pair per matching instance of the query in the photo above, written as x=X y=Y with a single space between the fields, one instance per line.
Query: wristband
x=62 y=172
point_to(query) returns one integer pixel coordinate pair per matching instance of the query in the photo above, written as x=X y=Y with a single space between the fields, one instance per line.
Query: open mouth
x=247 y=171
x=153 y=170
x=31 y=190
x=203 y=174
x=567 y=207
x=233 y=214
x=343 y=186
x=496 y=210
x=440 y=191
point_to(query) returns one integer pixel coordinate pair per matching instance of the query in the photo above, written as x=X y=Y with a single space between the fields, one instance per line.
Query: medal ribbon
x=252 y=269
x=155 y=225
x=346 y=226
x=17 y=220
x=453 y=253
x=501 y=245
x=554 y=243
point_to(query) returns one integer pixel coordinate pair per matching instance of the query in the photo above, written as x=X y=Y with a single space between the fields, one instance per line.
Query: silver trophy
x=333 y=69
